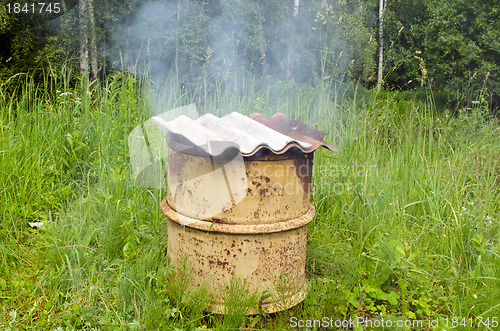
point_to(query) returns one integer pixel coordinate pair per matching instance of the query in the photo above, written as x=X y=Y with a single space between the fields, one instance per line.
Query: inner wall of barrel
x=277 y=187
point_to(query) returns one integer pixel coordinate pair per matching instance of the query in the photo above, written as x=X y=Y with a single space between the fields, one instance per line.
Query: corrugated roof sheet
x=294 y=129
x=250 y=134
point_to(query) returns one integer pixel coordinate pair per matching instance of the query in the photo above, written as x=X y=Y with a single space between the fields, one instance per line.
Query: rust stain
x=217 y=263
x=303 y=169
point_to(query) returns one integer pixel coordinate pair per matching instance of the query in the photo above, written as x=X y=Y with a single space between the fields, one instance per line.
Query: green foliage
x=448 y=46
x=461 y=46
x=3 y=18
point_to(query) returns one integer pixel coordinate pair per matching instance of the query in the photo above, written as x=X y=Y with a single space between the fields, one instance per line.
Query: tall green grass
x=406 y=223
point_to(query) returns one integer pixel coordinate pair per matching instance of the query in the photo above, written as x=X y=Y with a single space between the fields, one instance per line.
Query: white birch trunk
x=176 y=61
x=291 y=47
x=84 y=42
x=92 y=39
x=381 y=43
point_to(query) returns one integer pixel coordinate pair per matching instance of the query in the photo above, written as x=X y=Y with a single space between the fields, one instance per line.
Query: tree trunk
x=92 y=39
x=291 y=46
x=176 y=61
x=84 y=41
x=265 y=64
x=382 y=5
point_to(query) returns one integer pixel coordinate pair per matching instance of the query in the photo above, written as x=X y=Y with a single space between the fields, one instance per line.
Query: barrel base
x=268 y=307
x=270 y=263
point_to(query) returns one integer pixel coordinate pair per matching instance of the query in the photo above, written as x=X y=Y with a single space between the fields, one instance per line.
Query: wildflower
x=475 y=296
x=376 y=132
x=489 y=242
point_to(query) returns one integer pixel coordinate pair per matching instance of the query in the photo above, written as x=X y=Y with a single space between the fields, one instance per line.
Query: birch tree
x=381 y=11
x=176 y=59
x=296 y=4
x=88 y=48
x=291 y=46
x=92 y=39
x=84 y=42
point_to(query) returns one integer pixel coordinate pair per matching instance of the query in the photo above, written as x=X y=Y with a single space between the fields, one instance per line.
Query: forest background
x=452 y=47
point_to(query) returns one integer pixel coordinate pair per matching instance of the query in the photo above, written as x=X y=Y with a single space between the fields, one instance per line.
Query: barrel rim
x=182 y=146
x=238 y=228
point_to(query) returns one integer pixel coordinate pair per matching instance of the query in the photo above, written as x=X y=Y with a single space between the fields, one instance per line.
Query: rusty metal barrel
x=245 y=220
x=262 y=239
